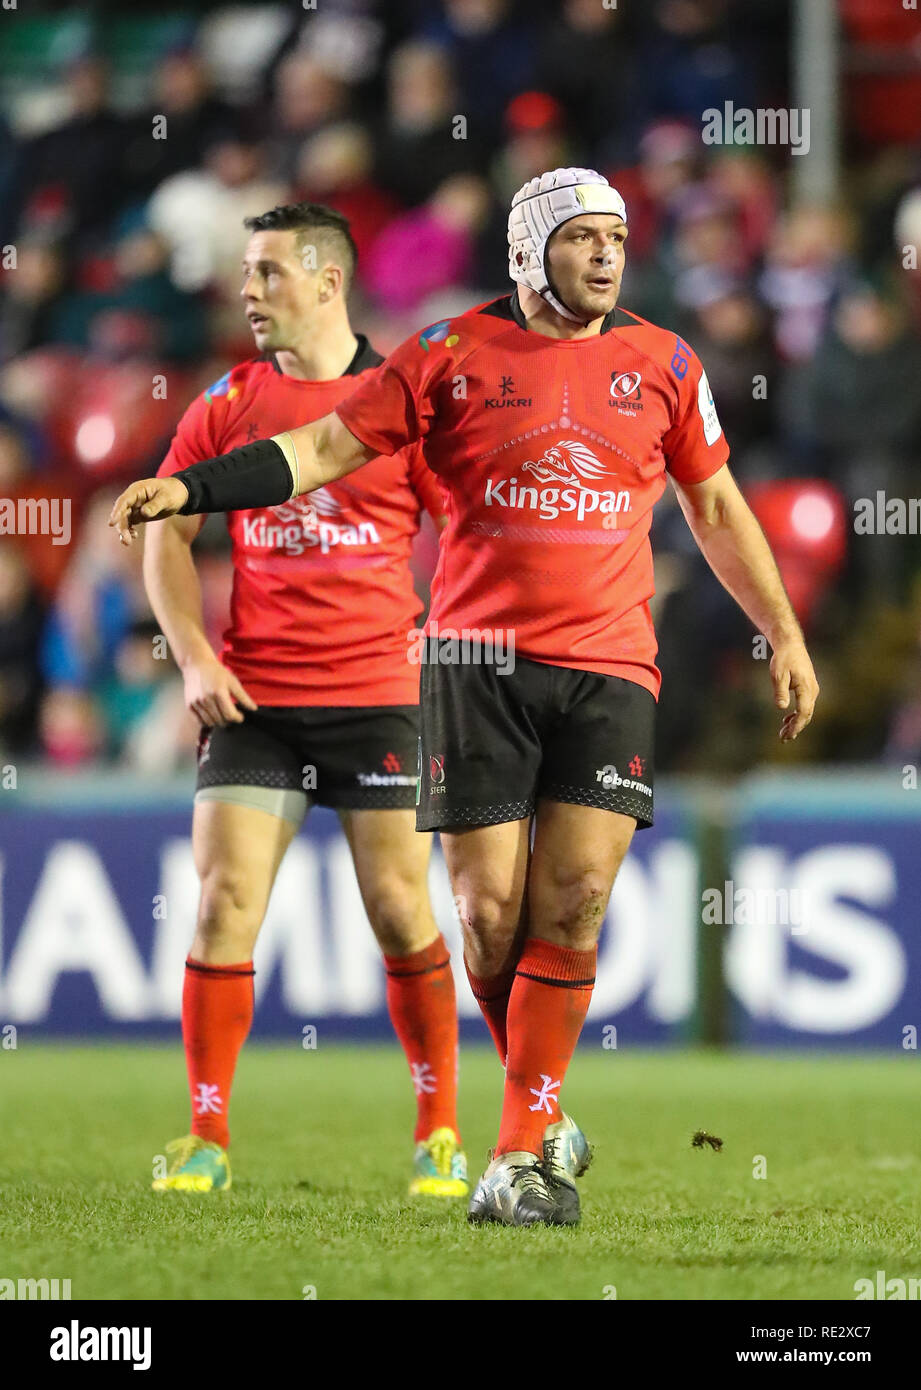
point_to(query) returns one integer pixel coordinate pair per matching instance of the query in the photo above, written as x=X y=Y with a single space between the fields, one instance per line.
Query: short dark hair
x=326 y=225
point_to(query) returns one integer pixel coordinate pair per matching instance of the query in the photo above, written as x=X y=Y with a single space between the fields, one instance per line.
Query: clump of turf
x=701 y=1138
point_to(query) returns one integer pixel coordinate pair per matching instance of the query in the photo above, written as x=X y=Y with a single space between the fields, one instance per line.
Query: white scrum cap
x=544 y=204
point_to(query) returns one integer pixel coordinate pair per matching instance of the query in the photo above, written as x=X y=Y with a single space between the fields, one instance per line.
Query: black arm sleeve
x=255 y=475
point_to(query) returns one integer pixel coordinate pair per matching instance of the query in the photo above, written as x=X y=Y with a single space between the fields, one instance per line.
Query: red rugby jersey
x=323 y=596
x=553 y=453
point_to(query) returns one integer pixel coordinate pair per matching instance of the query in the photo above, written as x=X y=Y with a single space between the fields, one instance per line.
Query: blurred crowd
x=130 y=152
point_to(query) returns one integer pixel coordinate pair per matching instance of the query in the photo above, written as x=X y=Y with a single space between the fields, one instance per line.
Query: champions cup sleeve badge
x=438 y=333
x=221 y=388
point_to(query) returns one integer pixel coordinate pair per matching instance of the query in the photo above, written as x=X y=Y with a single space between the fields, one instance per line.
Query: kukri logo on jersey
x=560 y=478
x=313 y=519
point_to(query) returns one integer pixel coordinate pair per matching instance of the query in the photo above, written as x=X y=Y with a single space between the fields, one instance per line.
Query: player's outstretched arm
x=735 y=548
x=262 y=474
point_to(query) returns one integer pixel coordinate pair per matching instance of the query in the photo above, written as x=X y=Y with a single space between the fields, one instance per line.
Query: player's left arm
x=735 y=548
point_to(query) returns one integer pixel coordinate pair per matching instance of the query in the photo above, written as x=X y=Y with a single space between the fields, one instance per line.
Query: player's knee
x=396 y=909
x=228 y=906
x=488 y=923
x=573 y=901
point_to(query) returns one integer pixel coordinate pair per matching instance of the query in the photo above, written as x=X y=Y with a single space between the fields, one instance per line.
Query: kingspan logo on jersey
x=562 y=471
x=313 y=519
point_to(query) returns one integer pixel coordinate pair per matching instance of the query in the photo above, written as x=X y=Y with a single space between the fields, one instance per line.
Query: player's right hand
x=792 y=675
x=149 y=500
x=214 y=694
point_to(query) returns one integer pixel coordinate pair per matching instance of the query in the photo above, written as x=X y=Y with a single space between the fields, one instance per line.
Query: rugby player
x=312 y=698
x=538 y=778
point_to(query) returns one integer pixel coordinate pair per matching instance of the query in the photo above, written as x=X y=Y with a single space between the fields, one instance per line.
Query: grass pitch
x=321 y=1153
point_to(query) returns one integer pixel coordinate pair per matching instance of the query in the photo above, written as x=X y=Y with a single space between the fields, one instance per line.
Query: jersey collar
x=509 y=307
x=365 y=358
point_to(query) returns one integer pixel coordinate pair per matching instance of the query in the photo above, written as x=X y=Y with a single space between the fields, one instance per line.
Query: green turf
x=321 y=1161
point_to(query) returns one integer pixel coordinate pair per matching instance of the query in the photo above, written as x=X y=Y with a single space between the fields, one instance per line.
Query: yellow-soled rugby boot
x=196 y=1165
x=439 y=1166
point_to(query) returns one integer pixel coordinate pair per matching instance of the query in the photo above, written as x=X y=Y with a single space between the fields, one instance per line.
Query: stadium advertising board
x=99 y=910
x=833 y=953
x=820 y=913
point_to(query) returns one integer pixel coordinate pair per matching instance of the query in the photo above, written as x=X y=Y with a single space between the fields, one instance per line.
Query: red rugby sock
x=546 y=1011
x=217 y=1011
x=492 y=992
x=423 y=1011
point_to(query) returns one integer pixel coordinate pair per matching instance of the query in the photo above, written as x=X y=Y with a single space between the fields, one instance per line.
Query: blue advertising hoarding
x=830 y=951
x=821 y=906
x=98 y=912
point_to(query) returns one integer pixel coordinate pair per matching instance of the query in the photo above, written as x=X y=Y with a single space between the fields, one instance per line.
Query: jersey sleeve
x=425 y=484
x=395 y=404
x=194 y=439
x=695 y=447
